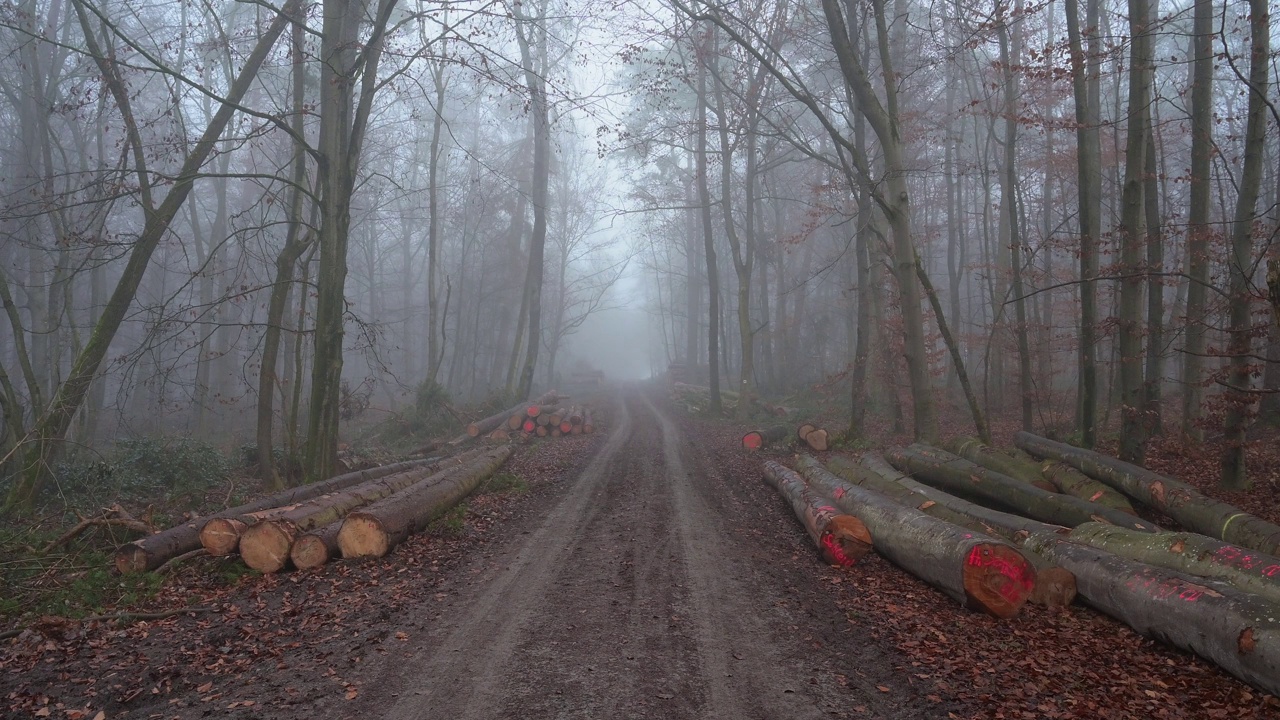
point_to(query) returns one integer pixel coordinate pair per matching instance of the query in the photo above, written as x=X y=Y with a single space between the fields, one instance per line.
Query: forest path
x=630 y=597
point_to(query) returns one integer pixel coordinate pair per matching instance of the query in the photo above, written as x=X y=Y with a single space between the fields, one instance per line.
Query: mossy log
x=957 y=475
x=265 y=546
x=373 y=531
x=975 y=451
x=1073 y=482
x=1055 y=587
x=842 y=539
x=1189 y=507
x=1190 y=553
x=1238 y=631
x=153 y=551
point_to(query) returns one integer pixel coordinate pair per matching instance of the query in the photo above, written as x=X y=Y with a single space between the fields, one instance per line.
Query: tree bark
x=1235 y=630
x=843 y=540
x=757 y=439
x=949 y=472
x=265 y=546
x=982 y=573
x=1187 y=506
x=1071 y=481
x=988 y=457
x=1198 y=230
x=1240 y=402
x=1054 y=586
x=374 y=530
x=1190 y=553
x=708 y=237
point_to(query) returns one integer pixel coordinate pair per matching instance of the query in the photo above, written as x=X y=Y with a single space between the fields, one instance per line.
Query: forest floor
x=643 y=571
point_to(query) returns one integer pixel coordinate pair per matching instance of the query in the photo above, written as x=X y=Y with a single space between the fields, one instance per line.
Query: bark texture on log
x=1073 y=482
x=981 y=572
x=1237 y=631
x=955 y=474
x=1055 y=587
x=374 y=530
x=975 y=451
x=265 y=546
x=1189 y=507
x=1190 y=553
x=842 y=539
x=315 y=548
x=757 y=439
x=153 y=551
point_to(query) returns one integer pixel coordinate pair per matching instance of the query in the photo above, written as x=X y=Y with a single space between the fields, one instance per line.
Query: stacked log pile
x=551 y=419
x=807 y=435
x=696 y=398
x=303 y=525
x=1212 y=588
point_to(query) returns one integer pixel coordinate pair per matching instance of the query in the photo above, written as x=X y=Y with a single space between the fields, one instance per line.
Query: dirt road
x=634 y=595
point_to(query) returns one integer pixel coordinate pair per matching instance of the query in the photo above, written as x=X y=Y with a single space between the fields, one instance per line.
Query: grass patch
x=506 y=483
x=452 y=523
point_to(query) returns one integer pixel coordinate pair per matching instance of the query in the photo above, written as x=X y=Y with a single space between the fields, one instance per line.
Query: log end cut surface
x=265 y=546
x=845 y=541
x=221 y=536
x=309 y=551
x=997 y=579
x=363 y=536
x=131 y=558
x=753 y=440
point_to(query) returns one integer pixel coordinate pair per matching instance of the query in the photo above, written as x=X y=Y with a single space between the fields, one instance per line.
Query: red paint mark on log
x=1094 y=497
x=1021 y=582
x=834 y=553
x=752 y=441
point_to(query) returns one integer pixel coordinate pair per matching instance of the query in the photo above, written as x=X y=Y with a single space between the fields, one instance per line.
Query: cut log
x=804 y=429
x=515 y=421
x=843 y=540
x=265 y=546
x=221 y=535
x=757 y=439
x=153 y=551
x=530 y=426
x=981 y=572
x=316 y=548
x=501 y=435
x=975 y=451
x=565 y=427
x=575 y=430
x=1189 y=507
x=1073 y=482
x=587 y=425
x=817 y=440
x=957 y=475
x=374 y=530
x=1055 y=587
x=1190 y=553
x=489 y=424
x=1237 y=631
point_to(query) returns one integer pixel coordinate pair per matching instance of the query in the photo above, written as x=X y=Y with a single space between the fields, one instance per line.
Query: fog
x=278 y=225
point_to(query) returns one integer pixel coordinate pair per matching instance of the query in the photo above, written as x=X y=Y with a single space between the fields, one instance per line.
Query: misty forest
x=291 y=281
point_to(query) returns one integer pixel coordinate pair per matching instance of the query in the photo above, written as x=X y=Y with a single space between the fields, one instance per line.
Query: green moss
x=506 y=483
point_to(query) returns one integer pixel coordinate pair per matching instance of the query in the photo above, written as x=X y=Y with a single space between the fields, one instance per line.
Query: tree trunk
x=757 y=439
x=981 y=572
x=988 y=457
x=1190 y=553
x=221 y=535
x=265 y=546
x=1187 y=506
x=491 y=423
x=374 y=530
x=317 y=547
x=1198 y=230
x=1084 y=82
x=151 y=552
x=1054 y=586
x=1240 y=401
x=1133 y=424
x=949 y=472
x=1237 y=631
x=843 y=540
x=708 y=238
x=1071 y=481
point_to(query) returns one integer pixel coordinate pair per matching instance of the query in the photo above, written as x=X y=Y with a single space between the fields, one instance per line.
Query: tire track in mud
x=629 y=598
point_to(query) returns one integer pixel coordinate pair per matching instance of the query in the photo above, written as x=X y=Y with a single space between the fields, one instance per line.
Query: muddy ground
x=646 y=573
